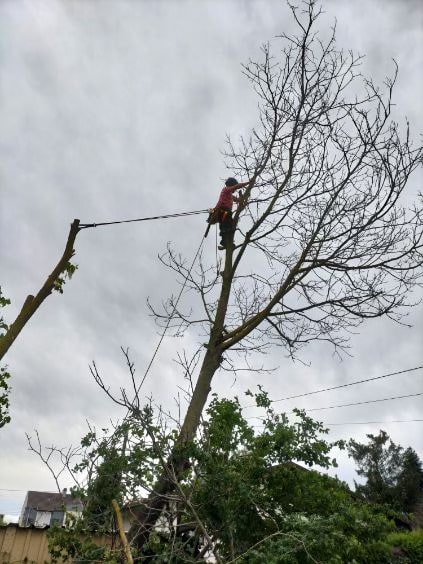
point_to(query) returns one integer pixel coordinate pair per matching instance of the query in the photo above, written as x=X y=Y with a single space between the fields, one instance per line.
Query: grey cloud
x=117 y=110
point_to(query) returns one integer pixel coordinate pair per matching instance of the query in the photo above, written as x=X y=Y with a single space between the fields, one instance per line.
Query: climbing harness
x=213 y=218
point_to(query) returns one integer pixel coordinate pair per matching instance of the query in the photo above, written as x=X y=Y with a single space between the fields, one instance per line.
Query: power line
x=373 y=422
x=345 y=385
x=350 y=404
x=362 y=422
x=167 y=216
x=363 y=402
x=9 y=490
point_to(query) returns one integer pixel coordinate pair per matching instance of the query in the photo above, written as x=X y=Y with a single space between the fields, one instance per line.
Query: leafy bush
x=67 y=545
x=344 y=537
x=411 y=545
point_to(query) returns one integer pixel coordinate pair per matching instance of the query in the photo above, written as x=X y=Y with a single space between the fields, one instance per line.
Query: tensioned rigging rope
x=167 y=216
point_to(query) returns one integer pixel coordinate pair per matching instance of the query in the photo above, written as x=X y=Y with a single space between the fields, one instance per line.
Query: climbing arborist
x=223 y=210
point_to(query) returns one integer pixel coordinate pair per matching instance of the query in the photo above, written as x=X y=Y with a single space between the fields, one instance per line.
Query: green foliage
x=248 y=481
x=251 y=491
x=410 y=480
x=393 y=475
x=105 y=487
x=264 y=505
x=69 y=545
x=67 y=274
x=379 y=462
x=104 y=462
x=4 y=374
x=3 y=303
x=341 y=537
x=117 y=465
x=410 y=547
x=4 y=397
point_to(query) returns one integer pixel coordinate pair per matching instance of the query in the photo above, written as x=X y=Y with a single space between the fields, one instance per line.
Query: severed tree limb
x=124 y=540
x=32 y=303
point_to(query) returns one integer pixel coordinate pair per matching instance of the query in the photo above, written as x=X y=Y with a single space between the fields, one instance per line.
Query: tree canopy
x=326 y=238
x=247 y=495
x=392 y=474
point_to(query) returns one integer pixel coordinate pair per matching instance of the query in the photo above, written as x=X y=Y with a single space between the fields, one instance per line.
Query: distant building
x=44 y=509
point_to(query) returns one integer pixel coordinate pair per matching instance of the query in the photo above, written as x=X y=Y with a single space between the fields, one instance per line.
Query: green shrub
x=410 y=543
x=377 y=552
x=67 y=545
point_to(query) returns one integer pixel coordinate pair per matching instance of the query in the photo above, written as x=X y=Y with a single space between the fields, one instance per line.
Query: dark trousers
x=226 y=226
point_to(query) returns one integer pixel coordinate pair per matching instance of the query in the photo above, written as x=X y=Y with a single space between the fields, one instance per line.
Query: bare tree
x=325 y=240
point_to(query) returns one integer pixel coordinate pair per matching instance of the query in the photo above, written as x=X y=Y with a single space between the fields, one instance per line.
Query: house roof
x=50 y=501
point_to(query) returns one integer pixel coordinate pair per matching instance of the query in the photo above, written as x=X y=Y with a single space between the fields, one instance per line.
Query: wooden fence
x=28 y=545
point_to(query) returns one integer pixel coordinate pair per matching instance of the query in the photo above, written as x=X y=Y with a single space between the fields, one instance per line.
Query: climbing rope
x=181 y=214
x=171 y=316
x=166 y=216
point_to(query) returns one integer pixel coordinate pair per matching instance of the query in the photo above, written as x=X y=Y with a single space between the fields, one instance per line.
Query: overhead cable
x=357 y=422
x=373 y=422
x=362 y=402
x=348 y=404
x=347 y=385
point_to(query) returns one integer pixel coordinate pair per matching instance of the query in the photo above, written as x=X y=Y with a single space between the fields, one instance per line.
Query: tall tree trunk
x=145 y=515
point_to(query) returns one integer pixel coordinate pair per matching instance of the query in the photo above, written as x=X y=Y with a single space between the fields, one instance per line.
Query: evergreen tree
x=410 y=480
x=393 y=474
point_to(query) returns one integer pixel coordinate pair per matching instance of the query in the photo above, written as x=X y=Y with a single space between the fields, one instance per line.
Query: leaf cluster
x=70 y=545
x=408 y=546
x=4 y=397
x=4 y=374
x=67 y=274
x=3 y=303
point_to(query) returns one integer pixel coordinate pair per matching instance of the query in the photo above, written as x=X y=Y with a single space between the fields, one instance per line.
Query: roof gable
x=50 y=501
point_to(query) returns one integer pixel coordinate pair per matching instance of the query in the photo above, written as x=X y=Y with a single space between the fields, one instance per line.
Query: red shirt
x=226 y=198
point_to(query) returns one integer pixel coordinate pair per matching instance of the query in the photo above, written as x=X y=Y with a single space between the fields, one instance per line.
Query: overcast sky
x=119 y=109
